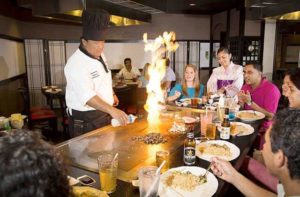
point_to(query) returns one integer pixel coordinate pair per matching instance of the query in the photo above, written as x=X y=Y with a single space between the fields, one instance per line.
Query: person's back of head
x=30 y=167
x=284 y=136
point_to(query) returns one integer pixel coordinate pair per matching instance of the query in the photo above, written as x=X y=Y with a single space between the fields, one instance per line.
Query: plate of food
x=250 y=115
x=84 y=191
x=217 y=148
x=187 y=181
x=240 y=129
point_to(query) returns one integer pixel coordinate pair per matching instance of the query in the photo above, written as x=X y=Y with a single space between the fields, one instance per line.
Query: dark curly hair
x=127 y=59
x=285 y=135
x=30 y=167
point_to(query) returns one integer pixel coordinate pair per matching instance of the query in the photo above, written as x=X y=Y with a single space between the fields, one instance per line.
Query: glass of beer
x=211 y=131
x=108 y=166
x=160 y=157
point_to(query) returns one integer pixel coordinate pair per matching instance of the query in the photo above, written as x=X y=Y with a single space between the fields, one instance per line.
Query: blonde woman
x=190 y=86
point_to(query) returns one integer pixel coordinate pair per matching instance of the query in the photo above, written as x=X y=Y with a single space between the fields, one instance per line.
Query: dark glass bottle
x=225 y=131
x=189 y=153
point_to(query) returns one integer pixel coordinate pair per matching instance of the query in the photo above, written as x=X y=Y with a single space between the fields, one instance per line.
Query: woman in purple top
x=228 y=76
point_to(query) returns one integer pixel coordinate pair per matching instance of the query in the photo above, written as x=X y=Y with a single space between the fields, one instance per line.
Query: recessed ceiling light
x=192 y=4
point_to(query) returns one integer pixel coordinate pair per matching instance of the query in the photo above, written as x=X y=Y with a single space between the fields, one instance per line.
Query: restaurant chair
x=139 y=100
x=64 y=116
x=38 y=115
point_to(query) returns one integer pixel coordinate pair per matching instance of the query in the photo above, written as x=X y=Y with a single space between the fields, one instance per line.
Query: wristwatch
x=249 y=102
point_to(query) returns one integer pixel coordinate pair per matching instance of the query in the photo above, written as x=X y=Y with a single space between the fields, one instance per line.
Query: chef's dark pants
x=81 y=122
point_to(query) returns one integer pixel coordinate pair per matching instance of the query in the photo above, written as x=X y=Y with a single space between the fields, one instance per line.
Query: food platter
x=83 y=191
x=217 y=148
x=241 y=129
x=250 y=115
x=182 y=181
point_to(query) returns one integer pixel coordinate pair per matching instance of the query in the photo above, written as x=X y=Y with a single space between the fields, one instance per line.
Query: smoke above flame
x=160 y=50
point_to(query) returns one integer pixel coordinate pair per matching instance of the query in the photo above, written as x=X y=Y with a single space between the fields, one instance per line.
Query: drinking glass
x=161 y=156
x=205 y=118
x=231 y=114
x=211 y=131
x=108 y=166
x=194 y=102
x=149 y=181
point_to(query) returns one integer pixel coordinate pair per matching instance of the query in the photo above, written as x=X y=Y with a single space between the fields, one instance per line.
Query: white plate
x=185 y=100
x=233 y=149
x=53 y=91
x=120 y=86
x=205 y=189
x=253 y=115
x=188 y=119
x=248 y=129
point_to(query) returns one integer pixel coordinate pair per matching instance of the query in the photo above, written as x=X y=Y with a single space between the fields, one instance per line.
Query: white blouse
x=232 y=73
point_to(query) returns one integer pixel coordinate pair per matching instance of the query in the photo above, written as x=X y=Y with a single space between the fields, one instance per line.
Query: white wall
x=12 y=59
x=269 y=48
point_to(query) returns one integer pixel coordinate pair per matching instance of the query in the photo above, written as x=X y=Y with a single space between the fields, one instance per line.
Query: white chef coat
x=86 y=77
x=134 y=73
x=234 y=72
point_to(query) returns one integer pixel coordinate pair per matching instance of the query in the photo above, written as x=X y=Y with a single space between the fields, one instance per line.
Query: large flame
x=160 y=49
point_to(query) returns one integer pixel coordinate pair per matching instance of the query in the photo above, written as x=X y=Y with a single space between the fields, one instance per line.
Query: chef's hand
x=119 y=115
x=223 y=169
x=116 y=101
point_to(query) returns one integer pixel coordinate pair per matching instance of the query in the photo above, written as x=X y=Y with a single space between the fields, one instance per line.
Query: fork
x=207 y=169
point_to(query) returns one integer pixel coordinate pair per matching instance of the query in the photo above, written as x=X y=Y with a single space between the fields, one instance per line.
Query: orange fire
x=160 y=48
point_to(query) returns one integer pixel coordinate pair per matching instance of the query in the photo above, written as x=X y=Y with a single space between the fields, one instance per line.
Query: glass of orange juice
x=108 y=166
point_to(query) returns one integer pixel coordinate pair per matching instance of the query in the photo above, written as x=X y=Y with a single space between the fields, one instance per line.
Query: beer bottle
x=189 y=153
x=225 y=131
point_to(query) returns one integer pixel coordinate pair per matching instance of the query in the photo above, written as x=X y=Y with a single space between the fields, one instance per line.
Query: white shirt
x=169 y=75
x=86 y=77
x=234 y=72
x=129 y=75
